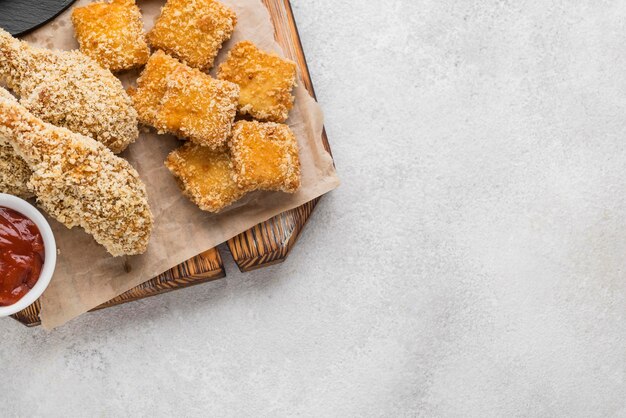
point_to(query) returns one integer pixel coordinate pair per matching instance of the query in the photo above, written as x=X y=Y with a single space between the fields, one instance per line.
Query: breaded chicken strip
x=14 y=172
x=68 y=89
x=80 y=182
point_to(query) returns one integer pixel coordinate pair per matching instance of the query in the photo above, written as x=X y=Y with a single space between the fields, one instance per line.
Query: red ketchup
x=21 y=255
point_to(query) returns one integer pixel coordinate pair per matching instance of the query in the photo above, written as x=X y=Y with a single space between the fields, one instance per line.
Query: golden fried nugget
x=198 y=107
x=265 y=156
x=112 y=34
x=205 y=176
x=265 y=80
x=151 y=86
x=193 y=30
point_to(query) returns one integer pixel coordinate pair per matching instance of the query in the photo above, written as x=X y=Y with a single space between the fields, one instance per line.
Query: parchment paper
x=87 y=276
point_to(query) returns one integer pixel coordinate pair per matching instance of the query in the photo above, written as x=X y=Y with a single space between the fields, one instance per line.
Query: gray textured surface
x=471 y=264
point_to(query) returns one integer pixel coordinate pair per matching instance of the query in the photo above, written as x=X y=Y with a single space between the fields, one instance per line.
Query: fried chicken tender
x=265 y=79
x=198 y=107
x=205 y=176
x=14 y=172
x=193 y=30
x=80 y=182
x=265 y=156
x=111 y=34
x=69 y=89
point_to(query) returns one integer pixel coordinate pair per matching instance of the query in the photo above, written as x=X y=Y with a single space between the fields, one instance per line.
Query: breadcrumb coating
x=265 y=79
x=205 y=176
x=265 y=156
x=193 y=30
x=69 y=89
x=14 y=172
x=151 y=86
x=80 y=182
x=4 y=94
x=198 y=107
x=173 y=97
x=111 y=34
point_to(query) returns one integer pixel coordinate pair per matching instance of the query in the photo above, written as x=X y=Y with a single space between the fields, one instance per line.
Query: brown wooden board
x=265 y=244
x=200 y=269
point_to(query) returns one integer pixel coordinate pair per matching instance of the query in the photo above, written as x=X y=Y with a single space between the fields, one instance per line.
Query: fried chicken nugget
x=193 y=30
x=265 y=79
x=205 y=176
x=80 y=182
x=151 y=86
x=265 y=156
x=111 y=34
x=175 y=98
x=198 y=107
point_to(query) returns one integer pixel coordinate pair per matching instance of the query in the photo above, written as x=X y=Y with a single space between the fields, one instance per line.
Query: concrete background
x=471 y=264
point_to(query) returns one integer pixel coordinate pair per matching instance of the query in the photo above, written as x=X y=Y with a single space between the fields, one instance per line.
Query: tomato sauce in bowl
x=22 y=255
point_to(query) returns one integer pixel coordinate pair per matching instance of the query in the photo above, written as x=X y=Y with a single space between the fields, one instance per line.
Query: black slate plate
x=21 y=16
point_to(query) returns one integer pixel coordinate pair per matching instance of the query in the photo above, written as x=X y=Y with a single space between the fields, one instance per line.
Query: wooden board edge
x=270 y=242
x=203 y=268
x=264 y=244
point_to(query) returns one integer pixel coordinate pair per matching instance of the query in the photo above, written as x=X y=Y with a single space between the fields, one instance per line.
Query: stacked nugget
x=223 y=160
x=260 y=155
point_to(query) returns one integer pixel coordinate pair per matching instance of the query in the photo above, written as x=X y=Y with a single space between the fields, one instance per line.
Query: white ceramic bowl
x=50 y=251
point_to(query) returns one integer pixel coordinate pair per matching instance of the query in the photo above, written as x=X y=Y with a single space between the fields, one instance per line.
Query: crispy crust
x=14 y=172
x=205 y=176
x=69 y=89
x=193 y=30
x=198 y=107
x=265 y=79
x=111 y=34
x=80 y=182
x=265 y=156
x=152 y=85
x=175 y=98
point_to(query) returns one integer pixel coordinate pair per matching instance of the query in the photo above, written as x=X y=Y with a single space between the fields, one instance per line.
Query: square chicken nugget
x=111 y=34
x=193 y=30
x=265 y=79
x=198 y=107
x=265 y=156
x=205 y=176
x=152 y=85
